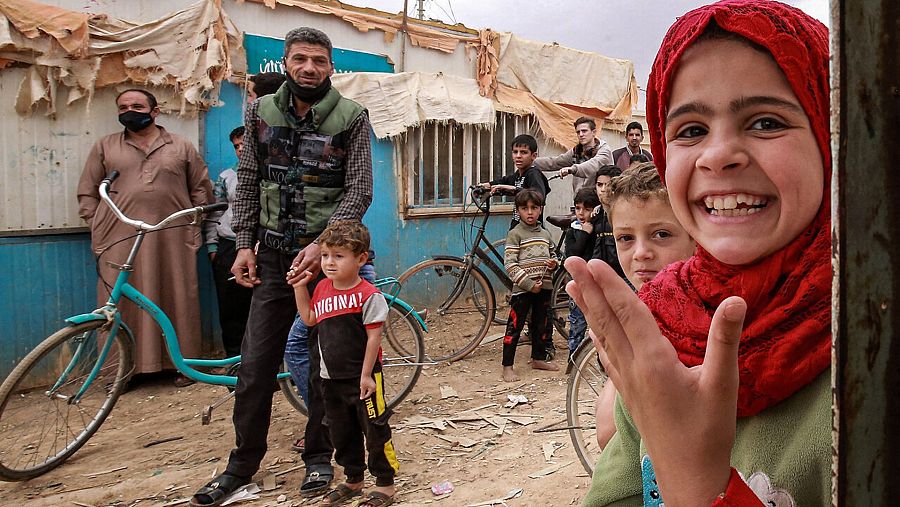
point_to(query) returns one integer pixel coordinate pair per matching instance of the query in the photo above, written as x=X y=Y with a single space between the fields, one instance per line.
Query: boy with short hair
x=349 y=313
x=648 y=236
x=524 y=152
x=529 y=262
x=579 y=242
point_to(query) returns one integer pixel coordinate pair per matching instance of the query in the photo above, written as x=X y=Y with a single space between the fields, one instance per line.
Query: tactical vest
x=302 y=167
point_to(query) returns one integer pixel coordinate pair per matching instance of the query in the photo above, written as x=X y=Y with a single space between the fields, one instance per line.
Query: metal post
x=866 y=86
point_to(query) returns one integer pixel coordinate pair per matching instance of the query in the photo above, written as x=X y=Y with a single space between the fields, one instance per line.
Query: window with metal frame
x=439 y=161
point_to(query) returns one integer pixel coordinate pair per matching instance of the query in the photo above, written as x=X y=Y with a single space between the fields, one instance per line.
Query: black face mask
x=306 y=94
x=135 y=121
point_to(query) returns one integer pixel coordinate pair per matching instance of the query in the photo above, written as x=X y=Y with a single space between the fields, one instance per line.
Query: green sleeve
x=617 y=474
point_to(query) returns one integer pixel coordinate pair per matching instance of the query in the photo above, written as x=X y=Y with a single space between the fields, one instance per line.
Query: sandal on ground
x=299 y=445
x=376 y=499
x=318 y=478
x=217 y=490
x=341 y=494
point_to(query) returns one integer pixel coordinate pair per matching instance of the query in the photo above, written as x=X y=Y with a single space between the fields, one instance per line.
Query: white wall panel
x=42 y=157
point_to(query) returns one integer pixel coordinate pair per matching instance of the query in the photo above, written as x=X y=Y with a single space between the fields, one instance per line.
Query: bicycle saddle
x=561 y=221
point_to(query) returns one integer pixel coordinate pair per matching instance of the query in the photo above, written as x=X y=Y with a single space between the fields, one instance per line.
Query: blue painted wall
x=54 y=276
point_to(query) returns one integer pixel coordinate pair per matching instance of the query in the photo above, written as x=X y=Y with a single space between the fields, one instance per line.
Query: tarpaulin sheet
x=397 y=102
x=419 y=35
x=564 y=75
x=554 y=83
x=189 y=51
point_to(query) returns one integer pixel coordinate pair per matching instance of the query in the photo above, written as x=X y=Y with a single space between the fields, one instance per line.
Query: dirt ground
x=486 y=457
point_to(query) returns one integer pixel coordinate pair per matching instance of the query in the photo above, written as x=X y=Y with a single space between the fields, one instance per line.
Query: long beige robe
x=168 y=177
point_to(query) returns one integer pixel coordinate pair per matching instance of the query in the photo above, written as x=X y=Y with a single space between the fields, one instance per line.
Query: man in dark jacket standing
x=306 y=162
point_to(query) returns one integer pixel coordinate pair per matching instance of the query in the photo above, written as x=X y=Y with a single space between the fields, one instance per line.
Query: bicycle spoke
x=40 y=428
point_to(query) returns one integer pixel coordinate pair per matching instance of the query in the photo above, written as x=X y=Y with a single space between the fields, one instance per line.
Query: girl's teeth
x=738 y=212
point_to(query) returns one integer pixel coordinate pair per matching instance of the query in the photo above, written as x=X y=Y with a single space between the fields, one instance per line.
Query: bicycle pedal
x=206 y=414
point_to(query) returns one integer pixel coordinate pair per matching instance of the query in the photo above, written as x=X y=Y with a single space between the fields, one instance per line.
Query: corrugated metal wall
x=45 y=278
x=42 y=156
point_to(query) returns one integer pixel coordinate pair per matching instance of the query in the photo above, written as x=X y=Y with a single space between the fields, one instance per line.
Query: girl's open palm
x=686 y=416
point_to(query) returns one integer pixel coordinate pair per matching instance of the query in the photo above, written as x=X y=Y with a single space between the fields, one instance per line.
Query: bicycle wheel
x=585 y=381
x=559 y=303
x=402 y=355
x=501 y=293
x=40 y=423
x=451 y=305
x=289 y=390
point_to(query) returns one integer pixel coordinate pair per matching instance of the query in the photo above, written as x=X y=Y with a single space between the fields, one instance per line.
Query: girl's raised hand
x=686 y=416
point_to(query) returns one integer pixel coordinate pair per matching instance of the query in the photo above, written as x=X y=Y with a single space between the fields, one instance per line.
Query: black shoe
x=217 y=490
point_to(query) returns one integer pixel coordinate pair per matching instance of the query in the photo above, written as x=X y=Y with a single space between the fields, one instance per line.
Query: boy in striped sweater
x=529 y=262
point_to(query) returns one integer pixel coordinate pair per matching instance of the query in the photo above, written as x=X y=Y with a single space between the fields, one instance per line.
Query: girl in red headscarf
x=724 y=380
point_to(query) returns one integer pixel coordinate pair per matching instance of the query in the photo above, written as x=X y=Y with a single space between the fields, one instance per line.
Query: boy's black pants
x=349 y=419
x=519 y=305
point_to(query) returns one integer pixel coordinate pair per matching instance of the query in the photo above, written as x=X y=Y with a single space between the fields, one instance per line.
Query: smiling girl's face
x=744 y=173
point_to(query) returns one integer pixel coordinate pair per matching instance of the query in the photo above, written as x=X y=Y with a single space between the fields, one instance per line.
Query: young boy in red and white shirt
x=348 y=313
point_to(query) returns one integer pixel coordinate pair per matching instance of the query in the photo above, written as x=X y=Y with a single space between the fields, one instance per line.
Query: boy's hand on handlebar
x=244 y=268
x=552 y=262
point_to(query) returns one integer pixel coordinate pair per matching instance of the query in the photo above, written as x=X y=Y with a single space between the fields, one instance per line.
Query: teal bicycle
x=58 y=396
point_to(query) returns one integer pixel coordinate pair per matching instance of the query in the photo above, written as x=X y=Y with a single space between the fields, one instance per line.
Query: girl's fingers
x=720 y=363
x=590 y=297
x=631 y=315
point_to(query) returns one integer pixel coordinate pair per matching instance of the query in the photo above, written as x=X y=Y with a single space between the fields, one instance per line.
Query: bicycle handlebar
x=143 y=226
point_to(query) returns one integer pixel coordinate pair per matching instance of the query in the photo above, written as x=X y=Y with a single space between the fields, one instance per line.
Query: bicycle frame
x=122 y=288
x=477 y=251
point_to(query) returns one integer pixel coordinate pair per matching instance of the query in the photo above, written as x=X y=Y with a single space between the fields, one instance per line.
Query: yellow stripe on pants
x=389 y=452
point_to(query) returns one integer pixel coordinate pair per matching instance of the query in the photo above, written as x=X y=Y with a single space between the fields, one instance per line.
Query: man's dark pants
x=234 y=299
x=272 y=312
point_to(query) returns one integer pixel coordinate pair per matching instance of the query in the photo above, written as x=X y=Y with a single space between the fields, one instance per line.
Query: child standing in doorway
x=529 y=262
x=349 y=313
x=725 y=372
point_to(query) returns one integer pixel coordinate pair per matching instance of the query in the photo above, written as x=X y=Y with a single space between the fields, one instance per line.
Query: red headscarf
x=786 y=342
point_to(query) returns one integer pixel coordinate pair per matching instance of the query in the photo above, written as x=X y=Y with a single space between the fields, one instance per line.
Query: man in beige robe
x=160 y=173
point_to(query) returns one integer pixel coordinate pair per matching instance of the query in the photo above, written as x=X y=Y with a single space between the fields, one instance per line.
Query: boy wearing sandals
x=348 y=313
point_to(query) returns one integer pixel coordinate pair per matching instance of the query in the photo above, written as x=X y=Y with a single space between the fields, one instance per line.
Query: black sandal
x=341 y=495
x=217 y=490
x=318 y=478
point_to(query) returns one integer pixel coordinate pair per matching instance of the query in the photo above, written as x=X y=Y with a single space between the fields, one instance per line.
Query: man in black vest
x=306 y=162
